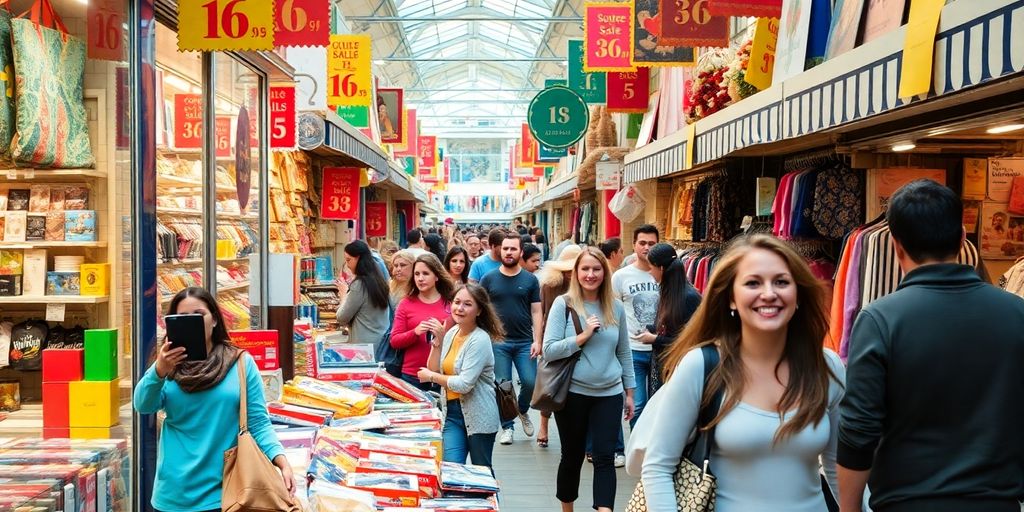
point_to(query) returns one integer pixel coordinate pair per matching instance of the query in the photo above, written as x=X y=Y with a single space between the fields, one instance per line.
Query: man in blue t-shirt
x=516 y=297
x=490 y=261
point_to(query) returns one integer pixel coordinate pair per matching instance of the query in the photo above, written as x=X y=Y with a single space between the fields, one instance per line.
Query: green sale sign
x=591 y=87
x=558 y=117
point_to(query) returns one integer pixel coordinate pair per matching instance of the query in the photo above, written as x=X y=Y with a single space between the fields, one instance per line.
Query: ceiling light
x=906 y=146
x=1006 y=128
x=379 y=62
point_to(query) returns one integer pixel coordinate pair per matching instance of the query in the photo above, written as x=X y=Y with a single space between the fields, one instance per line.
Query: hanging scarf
x=196 y=376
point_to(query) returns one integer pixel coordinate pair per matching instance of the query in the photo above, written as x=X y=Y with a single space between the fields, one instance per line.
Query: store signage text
x=341 y=193
x=550 y=155
x=740 y=8
x=628 y=92
x=762 y=54
x=282 y=117
x=376 y=218
x=428 y=154
x=608 y=29
x=589 y=86
x=188 y=121
x=106 y=30
x=225 y=25
x=689 y=23
x=558 y=117
x=302 y=23
x=349 y=81
x=223 y=136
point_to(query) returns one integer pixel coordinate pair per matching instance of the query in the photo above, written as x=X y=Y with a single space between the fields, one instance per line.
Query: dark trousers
x=600 y=417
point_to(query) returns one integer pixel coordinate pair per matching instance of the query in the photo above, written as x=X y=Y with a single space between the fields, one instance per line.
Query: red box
x=262 y=345
x=63 y=364
x=56 y=433
x=56 y=413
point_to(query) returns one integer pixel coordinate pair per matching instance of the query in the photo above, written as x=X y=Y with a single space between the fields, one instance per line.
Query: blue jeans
x=516 y=352
x=642 y=371
x=458 y=444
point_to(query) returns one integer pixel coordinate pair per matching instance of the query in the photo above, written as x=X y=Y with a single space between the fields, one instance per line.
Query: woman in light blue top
x=765 y=312
x=201 y=400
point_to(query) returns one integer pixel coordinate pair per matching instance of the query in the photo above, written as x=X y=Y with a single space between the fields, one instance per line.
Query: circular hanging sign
x=558 y=117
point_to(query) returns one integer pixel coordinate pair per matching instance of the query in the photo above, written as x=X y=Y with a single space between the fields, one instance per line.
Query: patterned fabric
x=51 y=120
x=7 y=118
x=837 y=204
x=695 y=491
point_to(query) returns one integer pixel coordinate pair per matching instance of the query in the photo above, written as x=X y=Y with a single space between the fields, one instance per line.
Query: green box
x=101 y=355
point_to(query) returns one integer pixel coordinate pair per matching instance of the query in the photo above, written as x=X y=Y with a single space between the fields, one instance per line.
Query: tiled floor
x=527 y=472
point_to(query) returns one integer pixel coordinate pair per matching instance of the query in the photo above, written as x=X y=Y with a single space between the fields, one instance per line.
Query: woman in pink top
x=422 y=314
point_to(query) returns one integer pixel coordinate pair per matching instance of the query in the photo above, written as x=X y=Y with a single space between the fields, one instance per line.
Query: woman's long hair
x=195 y=376
x=809 y=372
x=368 y=273
x=444 y=285
x=673 y=309
x=452 y=253
x=400 y=289
x=488 y=319
x=604 y=292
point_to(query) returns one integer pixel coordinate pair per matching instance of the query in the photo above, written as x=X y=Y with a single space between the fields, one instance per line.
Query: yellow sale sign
x=349 y=80
x=762 y=54
x=222 y=25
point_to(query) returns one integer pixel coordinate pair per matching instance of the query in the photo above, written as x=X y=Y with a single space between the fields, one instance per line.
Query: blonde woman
x=401 y=275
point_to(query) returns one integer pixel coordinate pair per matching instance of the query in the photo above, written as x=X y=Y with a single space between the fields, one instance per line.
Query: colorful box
x=93 y=403
x=93 y=432
x=63 y=364
x=63 y=283
x=262 y=345
x=56 y=412
x=11 y=286
x=12 y=262
x=100 y=355
x=80 y=226
x=56 y=433
x=95 y=279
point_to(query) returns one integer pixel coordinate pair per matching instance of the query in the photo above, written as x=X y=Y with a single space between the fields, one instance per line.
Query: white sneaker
x=505 y=437
x=620 y=460
x=527 y=424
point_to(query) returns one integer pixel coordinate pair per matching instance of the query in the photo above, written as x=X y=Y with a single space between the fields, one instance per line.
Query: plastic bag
x=627 y=203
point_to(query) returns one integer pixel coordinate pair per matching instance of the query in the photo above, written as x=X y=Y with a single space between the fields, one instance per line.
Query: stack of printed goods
x=54 y=213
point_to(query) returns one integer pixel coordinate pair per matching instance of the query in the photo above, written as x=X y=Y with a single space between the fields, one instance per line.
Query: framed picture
x=842 y=35
x=390 y=106
x=791 y=51
x=882 y=17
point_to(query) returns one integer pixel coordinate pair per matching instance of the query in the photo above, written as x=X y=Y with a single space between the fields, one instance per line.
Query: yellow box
x=226 y=250
x=93 y=403
x=95 y=279
x=95 y=432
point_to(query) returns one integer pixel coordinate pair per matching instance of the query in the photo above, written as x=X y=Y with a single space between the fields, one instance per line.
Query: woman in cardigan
x=463 y=365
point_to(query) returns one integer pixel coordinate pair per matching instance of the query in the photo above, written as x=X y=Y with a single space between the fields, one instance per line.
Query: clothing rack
x=813 y=159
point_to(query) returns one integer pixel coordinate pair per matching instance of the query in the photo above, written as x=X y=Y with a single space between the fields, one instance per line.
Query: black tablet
x=187 y=331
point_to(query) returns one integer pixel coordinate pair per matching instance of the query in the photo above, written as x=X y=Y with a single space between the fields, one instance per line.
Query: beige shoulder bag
x=251 y=482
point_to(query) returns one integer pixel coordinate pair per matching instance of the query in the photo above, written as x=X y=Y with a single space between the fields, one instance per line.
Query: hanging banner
x=919 y=47
x=550 y=155
x=302 y=23
x=223 y=136
x=527 y=147
x=340 y=193
x=282 y=117
x=105 y=28
x=762 y=54
x=628 y=92
x=648 y=50
x=225 y=25
x=558 y=117
x=428 y=153
x=688 y=23
x=349 y=81
x=589 y=86
x=410 y=145
x=357 y=116
x=376 y=218
x=741 y=8
x=409 y=165
x=188 y=121
x=390 y=108
x=608 y=37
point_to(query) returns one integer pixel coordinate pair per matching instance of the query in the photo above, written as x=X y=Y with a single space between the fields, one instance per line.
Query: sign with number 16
x=223 y=25
x=349 y=80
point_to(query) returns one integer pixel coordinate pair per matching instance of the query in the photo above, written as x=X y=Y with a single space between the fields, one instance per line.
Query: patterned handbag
x=693 y=481
x=52 y=129
x=7 y=118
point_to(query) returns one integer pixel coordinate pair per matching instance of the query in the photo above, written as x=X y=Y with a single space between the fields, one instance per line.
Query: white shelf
x=54 y=299
x=174 y=182
x=160 y=210
x=232 y=287
x=49 y=174
x=40 y=244
x=198 y=262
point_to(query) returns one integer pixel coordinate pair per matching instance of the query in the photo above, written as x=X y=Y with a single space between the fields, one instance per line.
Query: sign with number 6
x=689 y=23
x=226 y=25
x=302 y=23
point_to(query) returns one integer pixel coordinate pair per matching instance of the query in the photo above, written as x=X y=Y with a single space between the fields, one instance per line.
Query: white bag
x=627 y=203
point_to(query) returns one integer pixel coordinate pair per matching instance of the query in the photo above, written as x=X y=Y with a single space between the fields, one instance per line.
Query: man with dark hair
x=414 y=239
x=488 y=262
x=516 y=297
x=612 y=249
x=932 y=416
x=531 y=257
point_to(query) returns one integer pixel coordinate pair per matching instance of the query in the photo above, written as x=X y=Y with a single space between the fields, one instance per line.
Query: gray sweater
x=606 y=366
x=473 y=379
x=367 y=324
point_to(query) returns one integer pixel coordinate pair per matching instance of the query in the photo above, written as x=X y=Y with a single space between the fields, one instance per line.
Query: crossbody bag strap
x=243 y=410
x=708 y=414
x=571 y=312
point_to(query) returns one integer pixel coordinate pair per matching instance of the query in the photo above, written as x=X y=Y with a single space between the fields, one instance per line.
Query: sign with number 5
x=282 y=117
x=225 y=25
x=628 y=92
x=302 y=23
x=106 y=29
x=340 y=199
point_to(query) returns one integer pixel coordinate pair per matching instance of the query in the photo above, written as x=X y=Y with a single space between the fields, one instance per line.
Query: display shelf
x=54 y=299
x=175 y=182
x=232 y=287
x=39 y=244
x=195 y=262
x=19 y=174
x=161 y=210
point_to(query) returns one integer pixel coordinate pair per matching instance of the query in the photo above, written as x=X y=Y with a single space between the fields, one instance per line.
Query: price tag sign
x=376 y=219
x=106 y=30
x=223 y=134
x=428 y=152
x=689 y=23
x=608 y=37
x=762 y=53
x=302 y=23
x=742 y=8
x=558 y=117
x=341 y=193
x=188 y=121
x=282 y=117
x=55 y=312
x=349 y=81
x=224 y=25
x=589 y=86
x=629 y=91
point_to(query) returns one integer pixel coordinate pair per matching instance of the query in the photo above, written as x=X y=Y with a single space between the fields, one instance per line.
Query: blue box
x=63 y=283
x=80 y=226
x=324 y=269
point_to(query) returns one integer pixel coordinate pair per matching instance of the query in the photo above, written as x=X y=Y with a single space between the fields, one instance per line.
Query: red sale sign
x=223 y=133
x=282 y=118
x=340 y=199
x=105 y=29
x=608 y=37
x=302 y=23
x=188 y=121
x=629 y=92
x=428 y=152
x=262 y=345
x=738 y=8
x=690 y=23
x=376 y=218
